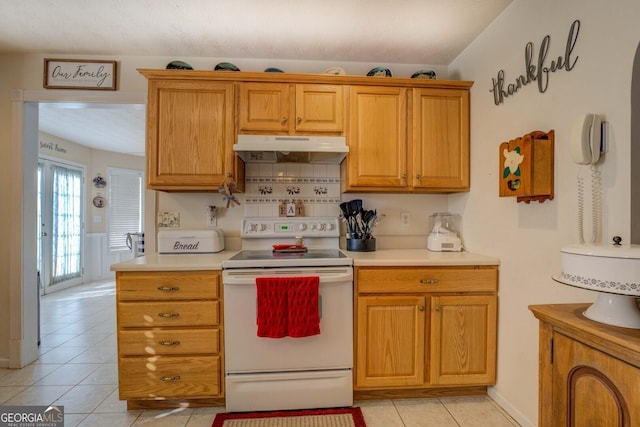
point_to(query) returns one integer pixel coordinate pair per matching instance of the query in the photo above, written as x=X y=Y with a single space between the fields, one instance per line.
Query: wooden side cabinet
x=170 y=338
x=589 y=371
x=284 y=108
x=428 y=329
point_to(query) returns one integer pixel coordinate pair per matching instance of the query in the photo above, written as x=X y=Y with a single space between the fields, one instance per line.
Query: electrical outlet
x=404 y=218
x=212 y=220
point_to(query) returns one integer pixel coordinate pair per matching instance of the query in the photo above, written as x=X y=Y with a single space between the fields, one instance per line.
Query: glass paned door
x=61 y=201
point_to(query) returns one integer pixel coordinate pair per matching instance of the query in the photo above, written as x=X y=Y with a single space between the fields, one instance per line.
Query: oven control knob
x=253 y=227
x=330 y=226
x=302 y=227
x=263 y=227
x=323 y=227
x=314 y=226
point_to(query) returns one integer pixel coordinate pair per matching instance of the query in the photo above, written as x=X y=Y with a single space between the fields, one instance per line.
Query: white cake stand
x=612 y=271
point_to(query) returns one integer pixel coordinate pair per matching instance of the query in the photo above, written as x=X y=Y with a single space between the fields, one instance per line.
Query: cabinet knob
x=299 y=120
x=169 y=343
x=168 y=288
x=168 y=315
x=437 y=308
x=284 y=120
x=429 y=281
x=418 y=176
x=170 y=379
x=403 y=176
x=421 y=308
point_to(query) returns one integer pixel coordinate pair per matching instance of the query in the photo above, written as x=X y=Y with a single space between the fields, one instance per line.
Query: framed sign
x=80 y=74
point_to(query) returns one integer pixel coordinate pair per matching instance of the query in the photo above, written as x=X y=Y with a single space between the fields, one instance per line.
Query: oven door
x=245 y=352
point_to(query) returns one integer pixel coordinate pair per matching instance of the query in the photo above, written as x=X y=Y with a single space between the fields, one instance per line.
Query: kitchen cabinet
x=169 y=328
x=404 y=135
x=440 y=136
x=190 y=134
x=408 y=139
x=589 y=371
x=377 y=139
x=429 y=328
x=283 y=108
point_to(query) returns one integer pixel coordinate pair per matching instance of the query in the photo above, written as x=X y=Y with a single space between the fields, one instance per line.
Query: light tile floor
x=77 y=368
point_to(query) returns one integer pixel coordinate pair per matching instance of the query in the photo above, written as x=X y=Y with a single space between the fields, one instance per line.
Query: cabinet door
x=390 y=341
x=319 y=108
x=441 y=139
x=190 y=134
x=264 y=107
x=591 y=388
x=377 y=139
x=463 y=340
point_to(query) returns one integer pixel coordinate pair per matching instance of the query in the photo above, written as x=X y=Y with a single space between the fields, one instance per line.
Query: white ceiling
x=430 y=32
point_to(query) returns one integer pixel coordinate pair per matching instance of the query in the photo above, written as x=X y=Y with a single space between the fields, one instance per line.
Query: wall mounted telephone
x=586 y=140
x=586 y=145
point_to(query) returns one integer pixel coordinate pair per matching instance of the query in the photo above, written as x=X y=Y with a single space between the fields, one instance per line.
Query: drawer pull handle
x=168 y=288
x=169 y=315
x=429 y=281
x=169 y=343
x=170 y=379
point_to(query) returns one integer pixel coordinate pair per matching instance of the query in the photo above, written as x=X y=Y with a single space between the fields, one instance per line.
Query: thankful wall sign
x=538 y=67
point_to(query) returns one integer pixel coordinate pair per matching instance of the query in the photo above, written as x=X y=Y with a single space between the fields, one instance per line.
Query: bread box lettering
x=190 y=241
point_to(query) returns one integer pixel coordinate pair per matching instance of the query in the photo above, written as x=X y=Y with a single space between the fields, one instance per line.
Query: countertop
x=383 y=258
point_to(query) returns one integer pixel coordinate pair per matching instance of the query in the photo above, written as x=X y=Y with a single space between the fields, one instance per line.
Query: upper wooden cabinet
x=408 y=140
x=440 y=136
x=284 y=108
x=404 y=135
x=190 y=134
x=377 y=139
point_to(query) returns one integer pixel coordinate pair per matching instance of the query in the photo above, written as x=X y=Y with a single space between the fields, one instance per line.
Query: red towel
x=288 y=306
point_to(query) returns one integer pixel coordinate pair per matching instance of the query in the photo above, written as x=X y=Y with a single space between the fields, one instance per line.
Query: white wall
x=527 y=238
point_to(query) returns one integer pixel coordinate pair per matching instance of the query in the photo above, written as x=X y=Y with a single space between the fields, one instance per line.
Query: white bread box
x=190 y=241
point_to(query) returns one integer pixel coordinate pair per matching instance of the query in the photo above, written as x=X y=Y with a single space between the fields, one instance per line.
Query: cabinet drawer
x=441 y=279
x=170 y=313
x=165 y=286
x=169 y=377
x=168 y=341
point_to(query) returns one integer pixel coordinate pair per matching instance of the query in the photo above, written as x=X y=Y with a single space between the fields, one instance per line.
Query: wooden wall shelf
x=526 y=167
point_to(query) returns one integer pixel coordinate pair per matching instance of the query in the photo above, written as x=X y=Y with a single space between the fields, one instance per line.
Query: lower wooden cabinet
x=589 y=372
x=170 y=333
x=420 y=328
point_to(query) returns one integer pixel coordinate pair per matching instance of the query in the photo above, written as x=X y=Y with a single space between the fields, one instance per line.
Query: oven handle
x=246 y=277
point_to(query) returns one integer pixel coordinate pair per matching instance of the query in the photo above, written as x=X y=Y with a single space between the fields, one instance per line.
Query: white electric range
x=288 y=373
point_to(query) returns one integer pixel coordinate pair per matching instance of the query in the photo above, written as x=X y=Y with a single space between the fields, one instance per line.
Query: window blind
x=124 y=206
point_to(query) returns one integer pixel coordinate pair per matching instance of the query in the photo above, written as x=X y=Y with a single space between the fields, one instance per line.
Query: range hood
x=292 y=149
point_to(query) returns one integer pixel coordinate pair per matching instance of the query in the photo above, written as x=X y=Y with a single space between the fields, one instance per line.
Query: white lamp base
x=616 y=310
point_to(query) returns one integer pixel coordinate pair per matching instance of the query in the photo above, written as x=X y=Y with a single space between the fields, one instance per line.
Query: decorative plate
x=379 y=72
x=99 y=202
x=226 y=66
x=99 y=182
x=424 y=74
x=336 y=71
x=178 y=65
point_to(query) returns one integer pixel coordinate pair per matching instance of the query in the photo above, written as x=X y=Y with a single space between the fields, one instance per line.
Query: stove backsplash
x=269 y=185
